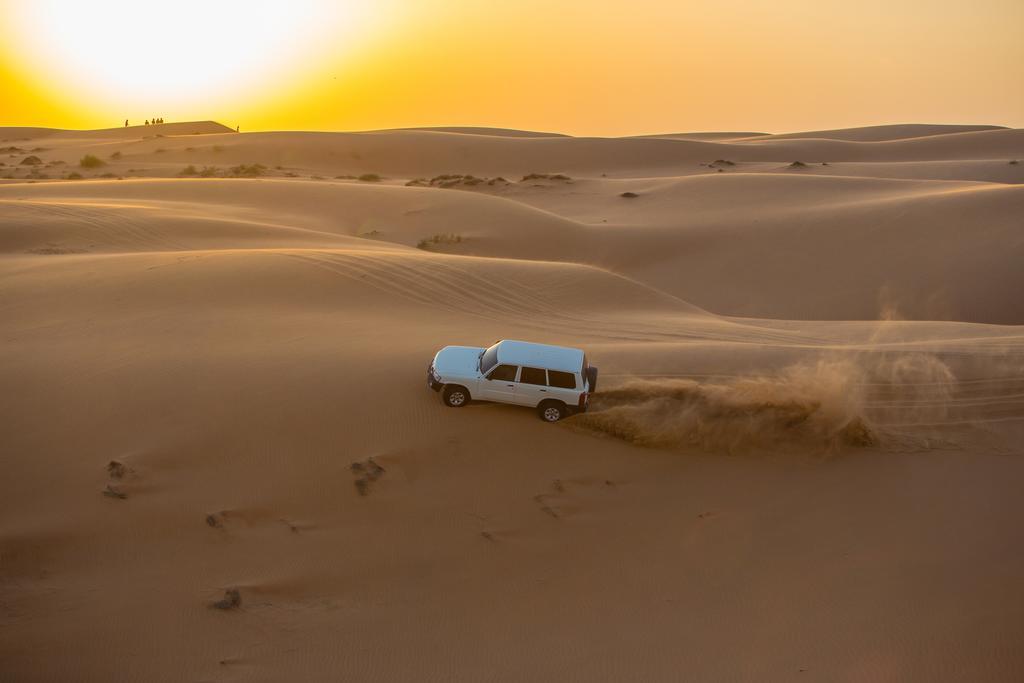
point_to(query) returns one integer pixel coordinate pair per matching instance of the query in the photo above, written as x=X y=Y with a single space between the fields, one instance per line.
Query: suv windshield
x=488 y=359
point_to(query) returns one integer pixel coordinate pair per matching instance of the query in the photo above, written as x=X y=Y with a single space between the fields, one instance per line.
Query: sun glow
x=188 y=54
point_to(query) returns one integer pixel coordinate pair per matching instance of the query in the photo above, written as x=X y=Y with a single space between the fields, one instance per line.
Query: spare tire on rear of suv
x=592 y=379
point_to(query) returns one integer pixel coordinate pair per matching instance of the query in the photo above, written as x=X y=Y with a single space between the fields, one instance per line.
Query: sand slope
x=235 y=345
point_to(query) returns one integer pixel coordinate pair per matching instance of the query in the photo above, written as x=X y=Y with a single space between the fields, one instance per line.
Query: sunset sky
x=579 y=67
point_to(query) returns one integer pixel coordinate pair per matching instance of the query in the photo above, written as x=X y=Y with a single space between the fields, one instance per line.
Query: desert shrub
x=1014 y=162
x=247 y=170
x=108 y=175
x=115 y=156
x=448 y=180
x=345 y=177
x=629 y=195
x=440 y=238
x=798 y=164
x=188 y=170
x=370 y=178
x=208 y=172
x=31 y=161
x=74 y=176
x=289 y=174
x=723 y=162
x=544 y=176
x=91 y=161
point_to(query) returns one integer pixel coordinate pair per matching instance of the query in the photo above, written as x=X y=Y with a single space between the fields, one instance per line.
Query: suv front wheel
x=455 y=396
x=552 y=411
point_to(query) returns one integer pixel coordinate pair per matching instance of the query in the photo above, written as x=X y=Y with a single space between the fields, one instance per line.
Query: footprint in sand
x=252 y=518
x=556 y=502
x=232 y=600
x=117 y=471
x=366 y=473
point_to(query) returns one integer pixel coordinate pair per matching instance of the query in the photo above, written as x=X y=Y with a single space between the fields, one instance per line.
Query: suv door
x=499 y=384
x=533 y=386
x=564 y=386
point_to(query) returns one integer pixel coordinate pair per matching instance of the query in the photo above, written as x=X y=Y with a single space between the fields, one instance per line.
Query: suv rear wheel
x=552 y=411
x=455 y=396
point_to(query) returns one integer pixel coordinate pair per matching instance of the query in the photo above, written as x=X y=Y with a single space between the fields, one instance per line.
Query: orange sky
x=586 y=68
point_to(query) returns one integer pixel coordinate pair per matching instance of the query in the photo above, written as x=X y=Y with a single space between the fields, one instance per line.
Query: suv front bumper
x=431 y=381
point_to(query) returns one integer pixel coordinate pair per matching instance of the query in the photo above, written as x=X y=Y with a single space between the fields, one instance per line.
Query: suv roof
x=562 y=358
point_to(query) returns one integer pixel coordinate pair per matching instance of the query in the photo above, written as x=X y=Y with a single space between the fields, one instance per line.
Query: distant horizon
x=230 y=128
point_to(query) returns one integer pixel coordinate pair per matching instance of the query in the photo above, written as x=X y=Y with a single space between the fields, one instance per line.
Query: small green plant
x=370 y=178
x=91 y=161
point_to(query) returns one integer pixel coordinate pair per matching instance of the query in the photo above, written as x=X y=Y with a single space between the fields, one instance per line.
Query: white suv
x=555 y=380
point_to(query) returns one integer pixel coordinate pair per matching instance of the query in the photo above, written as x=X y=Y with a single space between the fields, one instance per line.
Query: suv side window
x=533 y=376
x=504 y=373
x=562 y=380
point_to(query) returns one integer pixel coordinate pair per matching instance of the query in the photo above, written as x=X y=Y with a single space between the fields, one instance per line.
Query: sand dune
x=883 y=133
x=815 y=248
x=413 y=153
x=483 y=130
x=813 y=386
